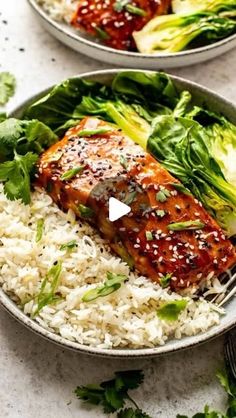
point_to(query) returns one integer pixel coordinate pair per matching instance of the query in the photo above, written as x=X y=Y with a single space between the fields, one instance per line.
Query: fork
x=228 y=290
x=230 y=351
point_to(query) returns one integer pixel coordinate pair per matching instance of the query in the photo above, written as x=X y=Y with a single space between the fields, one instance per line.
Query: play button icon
x=117 y=209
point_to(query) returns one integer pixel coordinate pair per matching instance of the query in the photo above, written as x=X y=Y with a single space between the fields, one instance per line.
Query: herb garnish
x=72 y=173
x=171 y=310
x=130 y=198
x=149 y=236
x=180 y=226
x=162 y=195
x=39 y=231
x=161 y=213
x=85 y=211
x=97 y=131
x=135 y=10
x=7 y=87
x=113 y=394
x=123 y=161
x=119 y=5
x=102 y=34
x=111 y=284
x=165 y=280
x=69 y=245
x=47 y=294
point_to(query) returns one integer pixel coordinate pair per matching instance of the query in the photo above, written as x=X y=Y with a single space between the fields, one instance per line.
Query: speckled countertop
x=37 y=377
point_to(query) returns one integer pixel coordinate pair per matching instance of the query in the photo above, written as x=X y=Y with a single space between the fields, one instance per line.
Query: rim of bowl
x=38 y=9
x=172 y=345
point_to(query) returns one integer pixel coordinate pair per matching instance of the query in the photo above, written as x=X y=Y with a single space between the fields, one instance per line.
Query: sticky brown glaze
x=141 y=237
x=94 y=16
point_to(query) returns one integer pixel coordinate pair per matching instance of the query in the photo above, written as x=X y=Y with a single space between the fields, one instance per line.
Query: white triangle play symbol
x=117 y=209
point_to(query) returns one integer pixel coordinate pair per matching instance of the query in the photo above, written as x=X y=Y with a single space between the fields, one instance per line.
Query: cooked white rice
x=126 y=318
x=60 y=10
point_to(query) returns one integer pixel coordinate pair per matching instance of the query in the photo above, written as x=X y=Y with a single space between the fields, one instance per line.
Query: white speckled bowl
x=83 y=44
x=216 y=103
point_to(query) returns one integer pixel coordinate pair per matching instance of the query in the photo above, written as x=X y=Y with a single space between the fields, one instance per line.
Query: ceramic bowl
x=83 y=44
x=214 y=102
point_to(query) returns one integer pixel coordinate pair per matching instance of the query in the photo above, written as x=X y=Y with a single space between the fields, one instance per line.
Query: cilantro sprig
x=21 y=142
x=113 y=394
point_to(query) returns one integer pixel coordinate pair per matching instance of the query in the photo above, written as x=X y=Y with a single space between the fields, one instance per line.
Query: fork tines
x=230 y=351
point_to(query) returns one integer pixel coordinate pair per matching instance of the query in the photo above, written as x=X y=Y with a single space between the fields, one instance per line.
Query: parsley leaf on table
x=112 y=394
x=7 y=87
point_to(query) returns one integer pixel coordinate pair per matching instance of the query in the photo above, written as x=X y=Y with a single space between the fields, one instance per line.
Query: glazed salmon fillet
x=114 y=21
x=167 y=231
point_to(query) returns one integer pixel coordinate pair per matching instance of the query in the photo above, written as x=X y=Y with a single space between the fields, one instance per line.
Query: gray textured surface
x=38 y=378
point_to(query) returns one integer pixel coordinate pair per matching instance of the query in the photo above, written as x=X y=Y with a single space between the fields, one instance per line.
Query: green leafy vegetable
x=174 y=32
x=170 y=311
x=165 y=280
x=112 y=394
x=180 y=226
x=72 y=173
x=181 y=146
x=39 y=231
x=190 y=6
x=7 y=87
x=47 y=294
x=85 y=211
x=181 y=188
x=69 y=245
x=111 y=284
